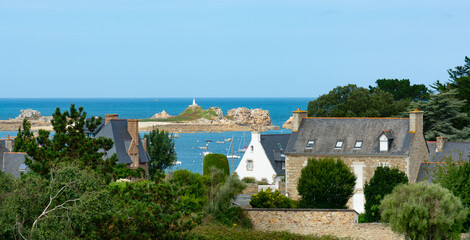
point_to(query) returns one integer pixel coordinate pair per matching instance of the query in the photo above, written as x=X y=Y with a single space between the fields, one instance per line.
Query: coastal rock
x=249 y=116
x=219 y=114
x=289 y=123
x=162 y=115
x=30 y=114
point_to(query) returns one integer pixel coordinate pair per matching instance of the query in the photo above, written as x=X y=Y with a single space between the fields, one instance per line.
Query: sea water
x=186 y=146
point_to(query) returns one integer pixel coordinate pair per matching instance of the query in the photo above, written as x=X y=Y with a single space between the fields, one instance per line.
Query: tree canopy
x=325 y=183
x=161 y=148
x=383 y=182
x=423 y=211
x=353 y=101
x=217 y=160
x=402 y=89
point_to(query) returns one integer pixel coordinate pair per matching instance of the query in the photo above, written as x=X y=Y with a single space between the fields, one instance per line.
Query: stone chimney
x=416 y=121
x=440 y=141
x=298 y=115
x=144 y=142
x=109 y=117
x=133 y=128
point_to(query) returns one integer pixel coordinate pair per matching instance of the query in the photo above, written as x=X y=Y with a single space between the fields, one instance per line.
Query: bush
x=249 y=180
x=234 y=216
x=191 y=188
x=325 y=183
x=268 y=199
x=382 y=183
x=423 y=211
x=217 y=160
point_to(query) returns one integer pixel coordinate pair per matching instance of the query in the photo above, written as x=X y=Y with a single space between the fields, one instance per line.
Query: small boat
x=228 y=139
x=205 y=153
x=220 y=142
x=156 y=100
x=208 y=141
x=176 y=136
x=178 y=162
x=233 y=156
x=205 y=147
x=242 y=149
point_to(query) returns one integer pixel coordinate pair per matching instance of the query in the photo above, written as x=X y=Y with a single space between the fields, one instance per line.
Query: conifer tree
x=161 y=148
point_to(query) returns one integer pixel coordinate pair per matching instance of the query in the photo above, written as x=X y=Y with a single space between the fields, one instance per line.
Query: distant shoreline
x=186 y=127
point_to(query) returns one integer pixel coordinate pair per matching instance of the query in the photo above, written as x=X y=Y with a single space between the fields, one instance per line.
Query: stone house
x=264 y=158
x=129 y=147
x=441 y=150
x=13 y=163
x=362 y=143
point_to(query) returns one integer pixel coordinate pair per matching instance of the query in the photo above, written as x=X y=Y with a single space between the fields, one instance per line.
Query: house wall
x=261 y=166
x=295 y=163
x=418 y=153
x=340 y=223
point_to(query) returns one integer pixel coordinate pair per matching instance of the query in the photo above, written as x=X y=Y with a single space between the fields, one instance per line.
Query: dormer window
x=22 y=167
x=358 y=144
x=383 y=143
x=310 y=144
x=339 y=144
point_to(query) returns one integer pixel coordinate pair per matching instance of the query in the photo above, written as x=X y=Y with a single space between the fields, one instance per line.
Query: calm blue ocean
x=188 y=153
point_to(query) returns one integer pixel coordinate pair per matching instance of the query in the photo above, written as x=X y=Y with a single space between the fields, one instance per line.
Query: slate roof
x=97 y=129
x=327 y=131
x=274 y=146
x=457 y=150
x=11 y=163
x=3 y=149
x=117 y=130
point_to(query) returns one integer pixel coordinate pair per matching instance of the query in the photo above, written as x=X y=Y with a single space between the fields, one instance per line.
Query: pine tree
x=161 y=148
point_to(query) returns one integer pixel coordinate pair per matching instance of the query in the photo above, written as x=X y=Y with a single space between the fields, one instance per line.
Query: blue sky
x=242 y=48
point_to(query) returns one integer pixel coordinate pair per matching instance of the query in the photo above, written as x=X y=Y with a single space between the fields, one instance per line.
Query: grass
x=215 y=231
x=189 y=114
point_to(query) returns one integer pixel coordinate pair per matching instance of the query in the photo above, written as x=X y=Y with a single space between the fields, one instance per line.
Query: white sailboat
x=232 y=156
x=240 y=149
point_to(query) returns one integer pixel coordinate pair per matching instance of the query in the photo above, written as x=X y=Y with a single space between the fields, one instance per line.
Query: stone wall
x=295 y=163
x=250 y=188
x=340 y=223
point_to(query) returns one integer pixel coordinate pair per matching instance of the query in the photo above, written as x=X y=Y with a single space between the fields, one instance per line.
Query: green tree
x=23 y=138
x=442 y=116
x=325 y=183
x=383 y=182
x=402 y=89
x=68 y=145
x=353 y=101
x=161 y=148
x=423 y=211
x=455 y=176
x=191 y=188
x=270 y=199
x=217 y=160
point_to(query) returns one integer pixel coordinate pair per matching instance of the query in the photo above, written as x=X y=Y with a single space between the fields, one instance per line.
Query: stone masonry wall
x=295 y=163
x=418 y=153
x=340 y=223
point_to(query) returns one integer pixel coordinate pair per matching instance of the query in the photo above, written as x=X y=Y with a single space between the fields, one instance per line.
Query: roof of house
x=326 y=132
x=458 y=151
x=13 y=163
x=3 y=149
x=274 y=146
x=117 y=130
x=96 y=130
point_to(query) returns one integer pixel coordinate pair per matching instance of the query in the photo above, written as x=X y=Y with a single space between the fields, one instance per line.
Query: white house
x=264 y=158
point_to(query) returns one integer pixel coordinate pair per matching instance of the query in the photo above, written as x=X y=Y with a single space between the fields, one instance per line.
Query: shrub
x=423 y=211
x=217 y=160
x=269 y=199
x=191 y=188
x=382 y=183
x=325 y=183
x=249 y=180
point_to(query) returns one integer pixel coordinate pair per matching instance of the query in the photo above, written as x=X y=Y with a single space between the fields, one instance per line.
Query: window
x=384 y=164
x=280 y=146
x=283 y=165
x=249 y=165
x=22 y=168
x=339 y=144
x=383 y=143
x=310 y=144
x=252 y=148
x=358 y=144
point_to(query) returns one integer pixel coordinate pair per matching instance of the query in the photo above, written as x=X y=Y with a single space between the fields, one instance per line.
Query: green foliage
x=68 y=145
x=442 y=116
x=382 y=183
x=23 y=138
x=269 y=199
x=146 y=210
x=325 y=183
x=67 y=205
x=455 y=176
x=217 y=160
x=215 y=231
x=225 y=193
x=423 y=211
x=353 y=101
x=249 y=180
x=402 y=89
x=191 y=188
x=234 y=216
x=161 y=148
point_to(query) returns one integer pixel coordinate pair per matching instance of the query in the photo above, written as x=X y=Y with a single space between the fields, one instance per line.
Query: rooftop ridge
x=15 y=153
x=354 y=118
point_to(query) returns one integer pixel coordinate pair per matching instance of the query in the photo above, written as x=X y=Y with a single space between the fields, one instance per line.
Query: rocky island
x=193 y=119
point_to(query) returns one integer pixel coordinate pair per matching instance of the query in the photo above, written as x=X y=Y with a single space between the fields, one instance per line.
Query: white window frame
x=383 y=143
x=358 y=144
x=339 y=144
x=283 y=165
x=249 y=165
x=310 y=144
